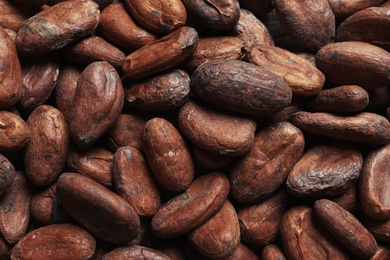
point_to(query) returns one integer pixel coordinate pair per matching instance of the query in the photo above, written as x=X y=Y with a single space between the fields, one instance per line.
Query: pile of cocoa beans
x=194 y=129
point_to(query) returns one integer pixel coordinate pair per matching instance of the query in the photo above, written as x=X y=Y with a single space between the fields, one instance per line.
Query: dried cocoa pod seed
x=158 y=16
x=47 y=151
x=94 y=48
x=13 y=15
x=15 y=209
x=226 y=83
x=346 y=8
x=32 y=3
x=318 y=14
x=11 y=72
x=303 y=238
x=202 y=199
x=363 y=127
x=354 y=63
x=208 y=160
x=46 y=209
x=135 y=252
x=211 y=48
x=264 y=168
x=373 y=179
x=272 y=252
x=39 y=79
x=117 y=26
x=216 y=131
x=216 y=15
x=7 y=174
x=162 y=54
x=66 y=88
x=302 y=77
x=325 y=170
x=382 y=253
x=380 y=230
x=342 y=99
x=14 y=132
x=167 y=90
x=102 y=212
x=349 y=200
x=219 y=236
x=258 y=7
x=260 y=222
x=375 y=19
x=167 y=155
x=251 y=30
x=134 y=182
x=127 y=131
x=57 y=26
x=97 y=103
x=60 y=241
x=96 y=163
x=345 y=228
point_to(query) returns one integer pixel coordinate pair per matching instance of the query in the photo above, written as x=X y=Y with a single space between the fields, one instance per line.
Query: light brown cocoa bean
x=95 y=162
x=47 y=151
x=318 y=14
x=117 y=26
x=97 y=103
x=158 y=16
x=134 y=181
x=363 y=127
x=345 y=228
x=15 y=209
x=94 y=48
x=227 y=84
x=168 y=90
x=373 y=180
x=39 y=79
x=167 y=155
x=14 y=132
x=162 y=54
x=265 y=167
x=57 y=26
x=102 y=212
x=11 y=73
x=202 y=199
x=219 y=236
x=354 y=63
x=303 y=238
x=302 y=77
x=325 y=170
x=216 y=131
x=60 y=241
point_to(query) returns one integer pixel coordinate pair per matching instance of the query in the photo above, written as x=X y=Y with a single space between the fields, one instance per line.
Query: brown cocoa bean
x=162 y=54
x=219 y=236
x=325 y=170
x=373 y=179
x=135 y=252
x=134 y=181
x=216 y=131
x=208 y=160
x=14 y=132
x=346 y=8
x=168 y=90
x=167 y=155
x=101 y=211
x=13 y=15
x=227 y=84
x=202 y=199
x=47 y=151
x=363 y=127
x=265 y=167
x=349 y=200
x=345 y=228
x=97 y=103
x=354 y=63
x=7 y=174
x=57 y=26
x=272 y=252
x=61 y=241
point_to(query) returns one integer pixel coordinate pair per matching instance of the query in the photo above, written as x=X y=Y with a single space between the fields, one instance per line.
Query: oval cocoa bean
x=202 y=199
x=346 y=8
x=135 y=252
x=272 y=252
x=101 y=211
x=216 y=131
x=240 y=87
x=14 y=132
